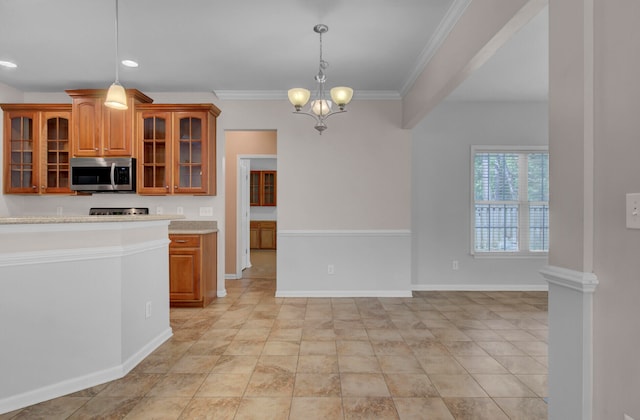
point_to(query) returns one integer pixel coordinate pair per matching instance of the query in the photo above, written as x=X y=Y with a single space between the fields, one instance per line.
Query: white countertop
x=31 y=220
x=193 y=227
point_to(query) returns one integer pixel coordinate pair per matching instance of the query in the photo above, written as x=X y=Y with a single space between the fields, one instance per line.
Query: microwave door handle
x=113 y=173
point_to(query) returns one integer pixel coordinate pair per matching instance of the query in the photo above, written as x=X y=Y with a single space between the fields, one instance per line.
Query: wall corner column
x=570 y=342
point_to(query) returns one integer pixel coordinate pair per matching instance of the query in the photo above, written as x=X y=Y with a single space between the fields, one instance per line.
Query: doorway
x=241 y=145
x=257 y=216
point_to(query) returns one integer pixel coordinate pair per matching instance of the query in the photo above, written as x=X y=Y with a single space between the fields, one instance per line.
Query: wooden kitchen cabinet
x=262 y=235
x=37 y=148
x=102 y=131
x=262 y=188
x=192 y=269
x=177 y=149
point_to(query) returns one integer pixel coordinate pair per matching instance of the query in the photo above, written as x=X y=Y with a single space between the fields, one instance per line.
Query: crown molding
x=442 y=31
x=270 y=95
x=250 y=95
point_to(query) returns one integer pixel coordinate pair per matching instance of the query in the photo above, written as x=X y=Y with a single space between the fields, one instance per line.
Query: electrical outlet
x=331 y=269
x=206 y=211
x=147 y=310
x=180 y=210
x=455 y=265
x=633 y=211
x=159 y=210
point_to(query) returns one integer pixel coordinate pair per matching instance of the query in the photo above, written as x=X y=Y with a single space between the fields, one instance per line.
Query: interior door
x=245 y=169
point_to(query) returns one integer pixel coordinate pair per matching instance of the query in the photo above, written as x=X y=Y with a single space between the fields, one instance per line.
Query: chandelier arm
x=314 y=116
x=333 y=113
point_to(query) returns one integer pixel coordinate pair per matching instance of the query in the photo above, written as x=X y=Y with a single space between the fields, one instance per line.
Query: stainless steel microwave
x=103 y=174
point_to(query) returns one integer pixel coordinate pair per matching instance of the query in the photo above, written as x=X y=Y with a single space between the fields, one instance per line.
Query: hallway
x=263 y=265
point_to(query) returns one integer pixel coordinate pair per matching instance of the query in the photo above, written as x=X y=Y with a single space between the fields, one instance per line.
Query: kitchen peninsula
x=84 y=299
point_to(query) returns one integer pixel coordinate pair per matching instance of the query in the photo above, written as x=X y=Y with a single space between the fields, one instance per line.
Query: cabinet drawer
x=184 y=241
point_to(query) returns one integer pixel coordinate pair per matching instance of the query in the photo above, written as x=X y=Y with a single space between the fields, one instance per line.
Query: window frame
x=523 y=222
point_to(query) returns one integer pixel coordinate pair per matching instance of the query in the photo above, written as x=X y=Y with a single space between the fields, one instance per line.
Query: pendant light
x=320 y=107
x=116 y=95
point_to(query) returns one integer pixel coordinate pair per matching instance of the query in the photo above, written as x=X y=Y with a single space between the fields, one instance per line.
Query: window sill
x=510 y=255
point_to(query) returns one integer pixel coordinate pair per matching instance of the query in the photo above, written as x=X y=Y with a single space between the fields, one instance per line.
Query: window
x=510 y=201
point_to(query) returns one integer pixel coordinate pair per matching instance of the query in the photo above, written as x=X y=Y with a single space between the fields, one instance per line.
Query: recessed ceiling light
x=129 y=63
x=8 y=64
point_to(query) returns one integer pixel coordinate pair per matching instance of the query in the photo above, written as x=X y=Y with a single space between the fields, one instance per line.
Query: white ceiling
x=519 y=70
x=249 y=47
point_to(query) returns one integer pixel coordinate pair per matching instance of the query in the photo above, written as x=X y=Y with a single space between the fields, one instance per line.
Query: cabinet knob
x=42 y=187
x=96 y=149
x=34 y=187
x=175 y=187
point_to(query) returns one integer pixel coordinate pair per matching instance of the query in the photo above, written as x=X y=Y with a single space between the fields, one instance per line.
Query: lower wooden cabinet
x=192 y=269
x=262 y=235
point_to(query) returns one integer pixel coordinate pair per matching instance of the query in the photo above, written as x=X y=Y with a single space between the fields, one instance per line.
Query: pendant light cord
x=117 y=66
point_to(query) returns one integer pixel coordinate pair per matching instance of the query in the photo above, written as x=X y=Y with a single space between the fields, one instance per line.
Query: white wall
x=594 y=91
x=440 y=162
x=73 y=305
x=616 y=263
x=354 y=177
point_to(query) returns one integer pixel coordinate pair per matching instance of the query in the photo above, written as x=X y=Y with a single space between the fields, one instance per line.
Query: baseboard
x=146 y=350
x=79 y=383
x=342 y=293
x=232 y=276
x=481 y=287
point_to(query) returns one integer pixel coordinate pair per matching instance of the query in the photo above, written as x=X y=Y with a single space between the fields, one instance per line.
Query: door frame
x=241 y=226
x=244 y=169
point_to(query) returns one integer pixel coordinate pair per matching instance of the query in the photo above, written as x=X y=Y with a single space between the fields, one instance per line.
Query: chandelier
x=320 y=107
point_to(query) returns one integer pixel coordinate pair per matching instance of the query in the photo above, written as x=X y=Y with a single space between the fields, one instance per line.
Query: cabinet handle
x=180 y=241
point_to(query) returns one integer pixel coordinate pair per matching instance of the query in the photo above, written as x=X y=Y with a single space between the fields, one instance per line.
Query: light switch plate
x=633 y=211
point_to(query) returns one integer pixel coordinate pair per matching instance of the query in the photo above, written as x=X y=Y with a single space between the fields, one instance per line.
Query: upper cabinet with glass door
x=177 y=152
x=36 y=148
x=262 y=188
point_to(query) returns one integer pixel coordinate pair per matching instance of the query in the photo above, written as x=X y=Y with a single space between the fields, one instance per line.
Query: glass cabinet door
x=254 y=188
x=189 y=144
x=23 y=154
x=262 y=188
x=57 y=133
x=269 y=188
x=154 y=159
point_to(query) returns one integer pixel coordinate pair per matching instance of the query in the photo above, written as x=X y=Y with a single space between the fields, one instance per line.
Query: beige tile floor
x=438 y=355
